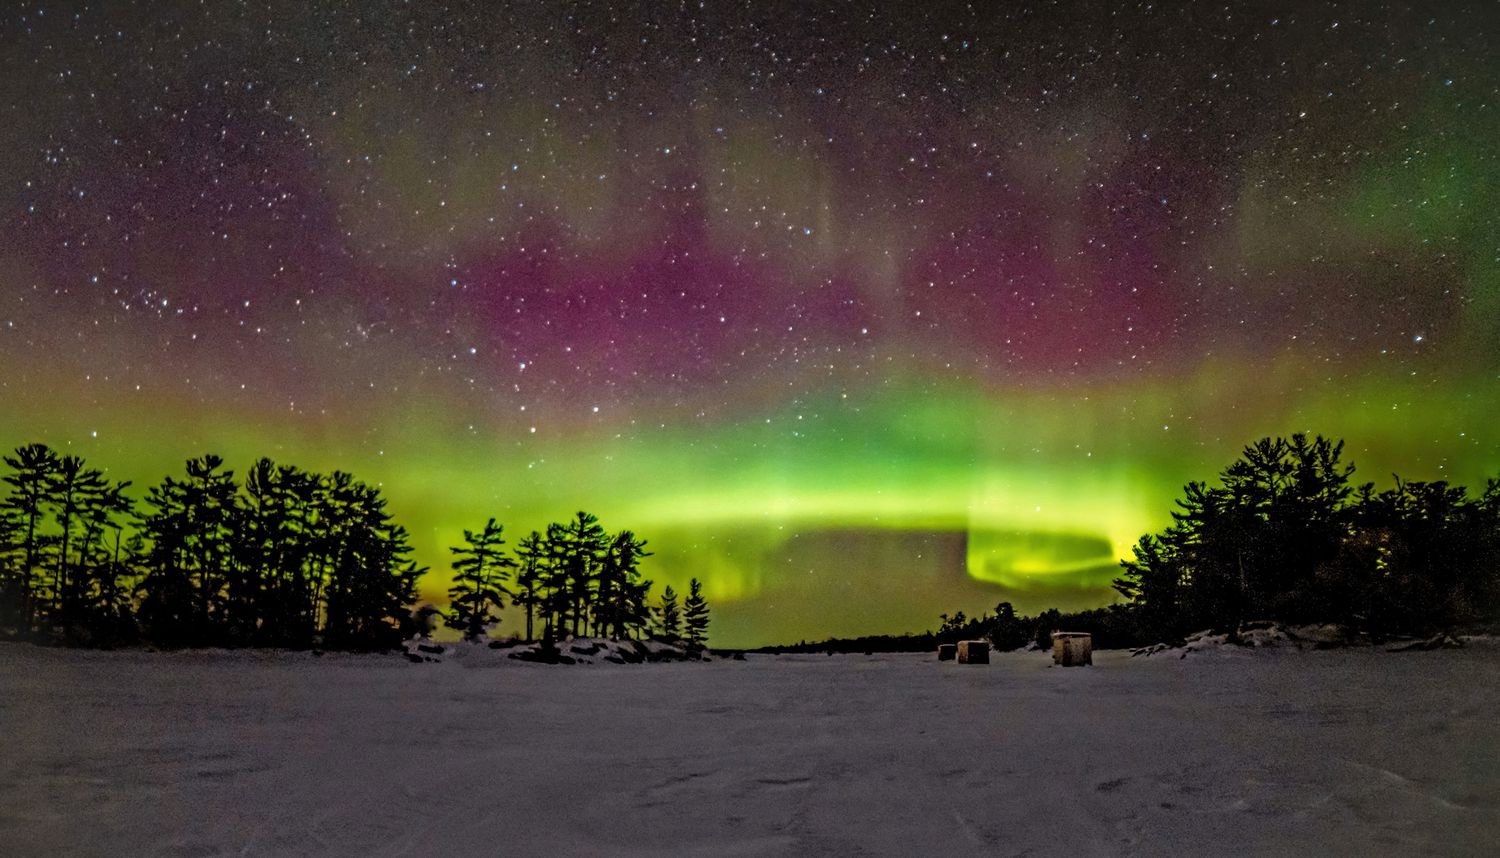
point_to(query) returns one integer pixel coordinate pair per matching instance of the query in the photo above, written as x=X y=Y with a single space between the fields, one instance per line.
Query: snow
x=1243 y=751
x=579 y=650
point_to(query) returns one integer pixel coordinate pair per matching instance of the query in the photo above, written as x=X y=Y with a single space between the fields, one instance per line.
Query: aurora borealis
x=859 y=312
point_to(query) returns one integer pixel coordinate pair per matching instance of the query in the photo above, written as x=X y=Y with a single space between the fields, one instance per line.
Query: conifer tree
x=481 y=570
x=576 y=548
x=99 y=611
x=695 y=615
x=620 y=605
x=271 y=547
x=11 y=592
x=73 y=489
x=32 y=469
x=531 y=557
x=671 y=616
x=370 y=582
x=166 y=593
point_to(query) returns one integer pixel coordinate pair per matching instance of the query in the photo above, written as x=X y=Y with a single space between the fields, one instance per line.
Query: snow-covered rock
x=1151 y=650
x=1204 y=641
x=569 y=650
x=1254 y=634
x=1439 y=641
x=423 y=649
x=1263 y=634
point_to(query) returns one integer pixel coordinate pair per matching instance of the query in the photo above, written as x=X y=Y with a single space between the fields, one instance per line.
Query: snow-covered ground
x=1268 y=752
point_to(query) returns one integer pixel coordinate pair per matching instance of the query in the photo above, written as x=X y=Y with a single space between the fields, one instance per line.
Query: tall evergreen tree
x=335 y=515
x=531 y=557
x=100 y=608
x=11 y=590
x=481 y=570
x=1153 y=579
x=74 y=488
x=166 y=605
x=190 y=529
x=270 y=551
x=670 y=614
x=554 y=597
x=620 y=605
x=695 y=615
x=368 y=580
x=1286 y=498
x=575 y=548
x=32 y=470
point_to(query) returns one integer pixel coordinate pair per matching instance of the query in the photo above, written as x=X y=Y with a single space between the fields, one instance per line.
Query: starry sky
x=859 y=312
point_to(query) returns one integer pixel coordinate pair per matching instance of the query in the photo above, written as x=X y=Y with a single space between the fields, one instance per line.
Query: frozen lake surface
x=1237 y=752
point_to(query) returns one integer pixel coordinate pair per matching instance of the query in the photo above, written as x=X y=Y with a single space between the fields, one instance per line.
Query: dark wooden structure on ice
x=973 y=652
x=1072 y=649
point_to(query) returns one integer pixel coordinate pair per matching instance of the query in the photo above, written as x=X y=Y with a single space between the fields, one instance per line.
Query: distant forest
x=292 y=559
x=1284 y=536
x=574 y=579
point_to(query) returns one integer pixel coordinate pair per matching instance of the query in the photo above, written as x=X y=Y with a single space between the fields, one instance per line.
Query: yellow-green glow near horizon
x=1043 y=492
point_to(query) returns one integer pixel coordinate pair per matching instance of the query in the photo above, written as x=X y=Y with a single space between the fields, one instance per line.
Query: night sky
x=859 y=314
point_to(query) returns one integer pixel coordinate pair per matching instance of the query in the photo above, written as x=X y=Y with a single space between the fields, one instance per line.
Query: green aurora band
x=1038 y=495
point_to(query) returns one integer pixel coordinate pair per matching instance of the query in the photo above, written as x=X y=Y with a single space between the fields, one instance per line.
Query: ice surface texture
x=1356 y=752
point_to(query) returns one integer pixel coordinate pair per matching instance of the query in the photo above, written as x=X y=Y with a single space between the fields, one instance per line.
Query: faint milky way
x=956 y=294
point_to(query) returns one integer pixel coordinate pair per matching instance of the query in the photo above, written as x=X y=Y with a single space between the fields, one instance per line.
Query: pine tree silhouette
x=695 y=615
x=531 y=557
x=576 y=548
x=671 y=615
x=269 y=552
x=72 y=488
x=620 y=605
x=12 y=590
x=166 y=608
x=371 y=579
x=32 y=470
x=99 y=612
x=481 y=570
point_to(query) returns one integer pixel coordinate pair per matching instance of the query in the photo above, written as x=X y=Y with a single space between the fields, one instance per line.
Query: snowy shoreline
x=1276 y=751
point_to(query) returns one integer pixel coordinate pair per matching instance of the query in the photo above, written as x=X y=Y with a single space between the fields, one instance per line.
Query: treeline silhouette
x=1284 y=536
x=287 y=558
x=291 y=558
x=576 y=578
x=1005 y=629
